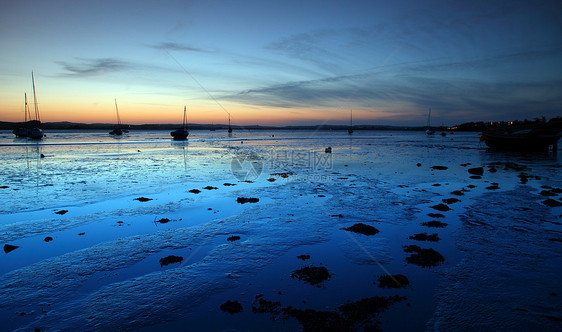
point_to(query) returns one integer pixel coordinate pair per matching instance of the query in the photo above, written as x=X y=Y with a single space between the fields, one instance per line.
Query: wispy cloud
x=91 y=67
x=173 y=46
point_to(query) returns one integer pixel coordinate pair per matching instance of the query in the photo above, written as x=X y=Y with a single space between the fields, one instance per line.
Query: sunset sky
x=282 y=62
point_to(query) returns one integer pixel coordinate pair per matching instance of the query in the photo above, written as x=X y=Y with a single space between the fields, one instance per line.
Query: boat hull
x=528 y=141
x=179 y=135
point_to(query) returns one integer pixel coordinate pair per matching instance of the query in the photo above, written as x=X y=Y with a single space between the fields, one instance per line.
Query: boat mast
x=184 y=117
x=26 y=109
x=117 y=111
x=229 y=128
x=35 y=99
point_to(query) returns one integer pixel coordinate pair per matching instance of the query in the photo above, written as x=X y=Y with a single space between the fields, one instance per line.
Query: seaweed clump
x=312 y=274
x=551 y=202
x=243 y=200
x=425 y=237
x=393 y=281
x=361 y=228
x=441 y=207
x=434 y=223
x=423 y=257
x=303 y=257
x=170 y=260
x=232 y=307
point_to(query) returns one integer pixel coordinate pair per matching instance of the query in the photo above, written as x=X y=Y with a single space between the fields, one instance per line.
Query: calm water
x=101 y=270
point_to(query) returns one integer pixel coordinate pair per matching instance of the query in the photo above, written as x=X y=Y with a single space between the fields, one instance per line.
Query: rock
x=441 y=207
x=457 y=192
x=232 y=307
x=450 y=200
x=283 y=175
x=312 y=274
x=163 y=220
x=423 y=257
x=418 y=164
x=210 y=188
x=4 y=187
x=303 y=257
x=471 y=186
x=441 y=168
x=434 y=223
x=271 y=179
x=337 y=215
x=551 y=203
x=362 y=229
x=233 y=238
x=243 y=200
x=142 y=199
x=493 y=187
x=8 y=248
x=228 y=184
x=436 y=215
x=466 y=164
x=393 y=281
x=194 y=191
x=61 y=212
x=548 y=193
x=82 y=233
x=476 y=177
x=48 y=239
x=476 y=170
x=425 y=237
x=170 y=260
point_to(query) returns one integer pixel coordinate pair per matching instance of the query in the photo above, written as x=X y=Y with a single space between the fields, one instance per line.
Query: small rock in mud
x=434 y=223
x=48 y=239
x=492 y=169
x=232 y=307
x=312 y=274
x=82 y=233
x=418 y=164
x=194 y=191
x=476 y=170
x=210 y=188
x=441 y=168
x=475 y=177
x=227 y=184
x=283 y=175
x=471 y=186
x=423 y=257
x=233 y=238
x=493 y=187
x=243 y=200
x=142 y=199
x=61 y=212
x=548 y=193
x=466 y=164
x=551 y=202
x=393 y=281
x=272 y=179
x=170 y=260
x=436 y=185
x=163 y=220
x=436 y=215
x=441 y=207
x=361 y=228
x=457 y=192
x=247 y=181
x=337 y=215
x=9 y=247
x=425 y=237
x=450 y=200
x=303 y=257
x=4 y=187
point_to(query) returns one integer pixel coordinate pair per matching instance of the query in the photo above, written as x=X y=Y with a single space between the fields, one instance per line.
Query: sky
x=282 y=62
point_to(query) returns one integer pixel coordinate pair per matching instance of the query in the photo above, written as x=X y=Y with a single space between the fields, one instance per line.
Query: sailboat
x=33 y=130
x=229 y=127
x=429 y=131
x=181 y=134
x=117 y=131
x=350 y=130
x=22 y=131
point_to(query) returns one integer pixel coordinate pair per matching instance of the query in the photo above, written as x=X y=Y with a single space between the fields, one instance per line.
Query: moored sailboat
x=429 y=131
x=22 y=130
x=118 y=131
x=32 y=128
x=229 y=127
x=350 y=130
x=181 y=134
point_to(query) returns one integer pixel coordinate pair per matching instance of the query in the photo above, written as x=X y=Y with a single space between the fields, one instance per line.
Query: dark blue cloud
x=91 y=67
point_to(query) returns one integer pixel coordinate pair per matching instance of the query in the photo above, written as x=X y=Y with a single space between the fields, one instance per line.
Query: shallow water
x=101 y=270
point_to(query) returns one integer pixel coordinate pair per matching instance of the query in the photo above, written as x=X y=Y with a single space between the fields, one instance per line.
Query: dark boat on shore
x=181 y=134
x=533 y=139
x=118 y=131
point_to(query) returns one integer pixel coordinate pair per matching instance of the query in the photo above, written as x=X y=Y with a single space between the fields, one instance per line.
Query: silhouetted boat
x=31 y=128
x=229 y=127
x=350 y=130
x=181 y=134
x=118 y=131
x=534 y=139
x=429 y=131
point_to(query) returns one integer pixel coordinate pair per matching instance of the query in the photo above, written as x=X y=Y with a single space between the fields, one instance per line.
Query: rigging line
x=196 y=81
